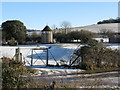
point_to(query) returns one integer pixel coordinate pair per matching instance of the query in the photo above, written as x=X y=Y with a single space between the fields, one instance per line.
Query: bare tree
x=54 y=27
x=65 y=26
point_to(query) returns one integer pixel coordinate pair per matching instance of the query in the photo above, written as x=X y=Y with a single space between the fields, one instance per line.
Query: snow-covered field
x=60 y=52
x=56 y=52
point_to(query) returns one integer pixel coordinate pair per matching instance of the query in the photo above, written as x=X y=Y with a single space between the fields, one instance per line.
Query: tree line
x=82 y=35
x=14 y=32
x=109 y=21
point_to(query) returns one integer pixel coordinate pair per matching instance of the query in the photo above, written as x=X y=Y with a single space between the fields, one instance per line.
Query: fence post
x=47 y=57
x=18 y=55
x=32 y=58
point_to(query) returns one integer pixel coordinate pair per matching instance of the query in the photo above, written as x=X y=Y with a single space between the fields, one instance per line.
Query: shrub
x=98 y=56
x=12 y=72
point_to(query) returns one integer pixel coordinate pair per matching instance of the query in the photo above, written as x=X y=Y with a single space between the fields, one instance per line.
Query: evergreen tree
x=14 y=29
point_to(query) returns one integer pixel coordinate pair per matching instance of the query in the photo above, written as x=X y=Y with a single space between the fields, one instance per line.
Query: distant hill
x=31 y=31
x=96 y=28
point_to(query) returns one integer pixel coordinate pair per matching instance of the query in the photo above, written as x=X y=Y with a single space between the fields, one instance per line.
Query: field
x=61 y=75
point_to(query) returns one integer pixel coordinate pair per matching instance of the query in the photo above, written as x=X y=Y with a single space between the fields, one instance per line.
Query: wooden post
x=47 y=57
x=32 y=58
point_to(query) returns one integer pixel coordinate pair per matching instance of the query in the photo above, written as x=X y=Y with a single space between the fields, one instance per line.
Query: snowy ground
x=60 y=52
x=56 y=52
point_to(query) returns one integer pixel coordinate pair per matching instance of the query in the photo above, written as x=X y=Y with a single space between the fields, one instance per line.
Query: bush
x=12 y=72
x=98 y=56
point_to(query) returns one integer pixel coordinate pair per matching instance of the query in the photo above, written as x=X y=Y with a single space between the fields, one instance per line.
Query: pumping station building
x=47 y=35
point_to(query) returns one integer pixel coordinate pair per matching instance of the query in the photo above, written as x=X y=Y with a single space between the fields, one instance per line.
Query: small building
x=47 y=35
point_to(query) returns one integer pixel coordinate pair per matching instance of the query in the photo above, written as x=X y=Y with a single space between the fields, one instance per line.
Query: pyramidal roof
x=47 y=28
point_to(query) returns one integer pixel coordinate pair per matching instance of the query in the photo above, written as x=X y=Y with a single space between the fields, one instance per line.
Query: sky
x=35 y=15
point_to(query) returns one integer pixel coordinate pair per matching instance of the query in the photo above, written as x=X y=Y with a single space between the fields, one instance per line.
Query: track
x=99 y=79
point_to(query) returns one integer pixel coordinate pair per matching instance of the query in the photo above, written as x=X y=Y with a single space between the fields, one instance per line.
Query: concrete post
x=18 y=55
